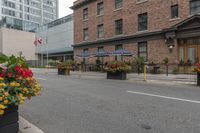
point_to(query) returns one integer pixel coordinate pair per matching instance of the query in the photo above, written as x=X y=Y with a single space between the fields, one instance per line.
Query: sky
x=64 y=7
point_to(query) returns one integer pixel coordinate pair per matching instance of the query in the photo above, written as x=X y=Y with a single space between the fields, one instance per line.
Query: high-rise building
x=27 y=14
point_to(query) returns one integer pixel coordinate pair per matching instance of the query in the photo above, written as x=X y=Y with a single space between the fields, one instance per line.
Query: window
x=118 y=4
x=100 y=31
x=119 y=27
x=174 y=11
x=142 y=50
x=194 y=6
x=100 y=49
x=20 y=15
x=85 y=34
x=141 y=1
x=100 y=9
x=9 y=4
x=8 y=12
x=142 y=22
x=85 y=13
x=181 y=54
x=21 y=7
x=191 y=55
x=118 y=57
x=85 y=51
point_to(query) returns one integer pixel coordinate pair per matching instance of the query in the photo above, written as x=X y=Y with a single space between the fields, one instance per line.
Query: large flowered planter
x=116 y=75
x=9 y=121
x=197 y=70
x=117 y=70
x=64 y=68
x=198 y=79
x=16 y=85
x=61 y=71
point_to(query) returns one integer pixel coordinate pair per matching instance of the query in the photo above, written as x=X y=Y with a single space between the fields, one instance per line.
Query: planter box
x=61 y=71
x=9 y=121
x=116 y=75
x=198 y=79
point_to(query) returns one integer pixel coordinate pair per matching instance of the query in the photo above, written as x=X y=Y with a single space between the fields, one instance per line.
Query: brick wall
x=159 y=17
x=157 y=51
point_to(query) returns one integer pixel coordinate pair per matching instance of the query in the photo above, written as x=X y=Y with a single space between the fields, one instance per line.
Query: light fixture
x=171 y=47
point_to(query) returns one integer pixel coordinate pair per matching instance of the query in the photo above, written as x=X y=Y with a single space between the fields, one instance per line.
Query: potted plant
x=117 y=70
x=64 y=68
x=197 y=70
x=140 y=61
x=166 y=63
x=16 y=85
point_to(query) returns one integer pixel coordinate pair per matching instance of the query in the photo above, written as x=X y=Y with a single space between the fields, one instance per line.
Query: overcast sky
x=64 y=7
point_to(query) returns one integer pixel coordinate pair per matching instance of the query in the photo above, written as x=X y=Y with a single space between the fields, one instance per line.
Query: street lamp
x=170 y=43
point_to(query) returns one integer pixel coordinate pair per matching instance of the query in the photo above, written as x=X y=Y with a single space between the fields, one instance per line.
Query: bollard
x=145 y=73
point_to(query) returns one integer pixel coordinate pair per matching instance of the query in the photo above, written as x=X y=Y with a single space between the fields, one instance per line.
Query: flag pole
x=47 y=49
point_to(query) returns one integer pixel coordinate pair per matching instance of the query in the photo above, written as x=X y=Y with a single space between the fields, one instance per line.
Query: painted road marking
x=165 y=97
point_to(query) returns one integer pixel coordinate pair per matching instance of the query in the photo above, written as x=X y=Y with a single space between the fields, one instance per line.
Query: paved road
x=75 y=105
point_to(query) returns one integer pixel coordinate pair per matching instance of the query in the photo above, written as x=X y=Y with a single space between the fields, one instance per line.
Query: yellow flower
x=25 y=90
x=21 y=101
x=6 y=94
x=1 y=78
x=14 y=84
x=2 y=84
x=5 y=101
x=1 y=112
x=2 y=106
x=17 y=84
x=1 y=98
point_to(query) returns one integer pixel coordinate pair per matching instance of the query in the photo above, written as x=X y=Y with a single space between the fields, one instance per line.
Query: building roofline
x=119 y=38
x=78 y=5
x=176 y=26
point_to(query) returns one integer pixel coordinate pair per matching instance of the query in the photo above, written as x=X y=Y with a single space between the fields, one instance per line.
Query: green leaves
x=11 y=98
x=12 y=61
x=3 y=58
x=166 y=61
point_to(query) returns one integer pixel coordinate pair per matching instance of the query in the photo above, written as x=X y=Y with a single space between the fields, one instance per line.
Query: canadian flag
x=38 y=41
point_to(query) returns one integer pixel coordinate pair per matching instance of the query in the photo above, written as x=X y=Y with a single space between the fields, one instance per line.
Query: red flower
x=25 y=73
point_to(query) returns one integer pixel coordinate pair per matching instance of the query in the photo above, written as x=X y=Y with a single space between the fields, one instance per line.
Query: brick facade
x=159 y=18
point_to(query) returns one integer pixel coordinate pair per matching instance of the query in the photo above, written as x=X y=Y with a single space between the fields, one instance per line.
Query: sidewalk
x=26 y=127
x=171 y=79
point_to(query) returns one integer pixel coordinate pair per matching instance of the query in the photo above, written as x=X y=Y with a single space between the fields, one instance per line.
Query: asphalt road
x=76 y=105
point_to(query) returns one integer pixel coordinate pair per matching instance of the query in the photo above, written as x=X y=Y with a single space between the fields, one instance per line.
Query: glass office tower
x=27 y=14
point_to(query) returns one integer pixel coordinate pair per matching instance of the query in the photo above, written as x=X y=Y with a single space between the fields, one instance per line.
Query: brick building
x=153 y=29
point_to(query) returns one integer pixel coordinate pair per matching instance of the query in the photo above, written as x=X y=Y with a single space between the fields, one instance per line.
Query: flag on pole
x=38 y=41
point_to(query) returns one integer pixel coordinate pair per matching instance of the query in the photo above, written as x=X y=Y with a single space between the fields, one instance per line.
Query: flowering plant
x=65 y=65
x=117 y=66
x=196 y=67
x=16 y=82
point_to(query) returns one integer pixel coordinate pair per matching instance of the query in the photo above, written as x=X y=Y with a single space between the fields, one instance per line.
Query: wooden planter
x=116 y=75
x=67 y=71
x=198 y=79
x=9 y=121
x=63 y=72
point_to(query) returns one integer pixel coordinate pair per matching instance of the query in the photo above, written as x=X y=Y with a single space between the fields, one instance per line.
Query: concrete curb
x=27 y=127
